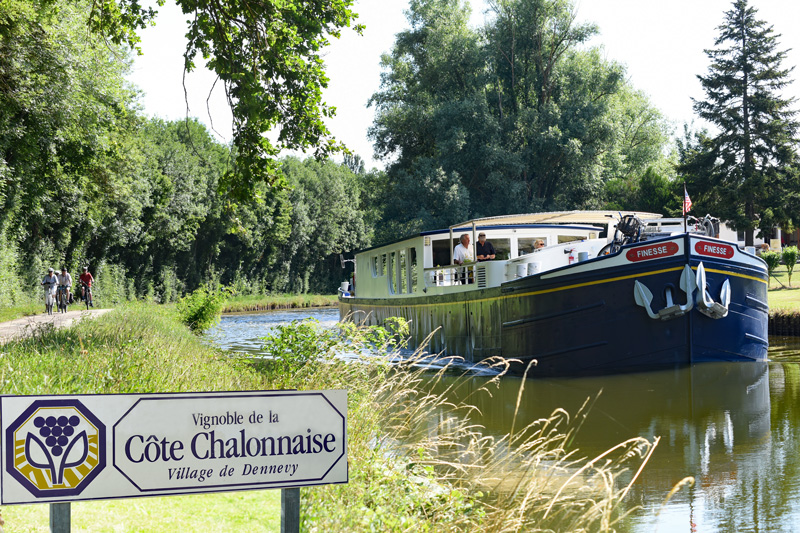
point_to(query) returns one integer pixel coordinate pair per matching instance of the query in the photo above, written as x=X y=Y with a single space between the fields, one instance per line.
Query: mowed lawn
x=781 y=294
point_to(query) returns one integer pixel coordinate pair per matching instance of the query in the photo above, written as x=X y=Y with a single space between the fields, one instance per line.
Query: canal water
x=734 y=427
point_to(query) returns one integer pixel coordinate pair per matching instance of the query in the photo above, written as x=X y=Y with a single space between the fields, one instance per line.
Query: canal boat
x=608 y=292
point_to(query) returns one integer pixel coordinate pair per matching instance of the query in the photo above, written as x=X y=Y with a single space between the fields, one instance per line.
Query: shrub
x=201 y=309
x=789 y=255
x=773 y=260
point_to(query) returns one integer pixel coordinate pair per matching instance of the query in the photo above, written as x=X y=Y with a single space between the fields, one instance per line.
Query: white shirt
x=65 y=279
x=461 y=254
x=49 y=282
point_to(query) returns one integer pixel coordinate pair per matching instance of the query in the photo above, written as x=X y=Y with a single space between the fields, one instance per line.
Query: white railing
x=449 y=276
x=494 y=273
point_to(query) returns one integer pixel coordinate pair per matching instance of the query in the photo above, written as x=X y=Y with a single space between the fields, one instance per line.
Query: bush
x=790 y=259
x=773 y=260
x=201 y=309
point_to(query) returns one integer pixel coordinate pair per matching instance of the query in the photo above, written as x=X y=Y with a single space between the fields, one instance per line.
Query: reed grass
x=261 y=302
x=419 y=464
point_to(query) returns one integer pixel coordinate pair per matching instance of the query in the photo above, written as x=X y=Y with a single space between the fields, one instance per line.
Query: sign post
x=58 y=449
x=290 y=510
x=60 y=518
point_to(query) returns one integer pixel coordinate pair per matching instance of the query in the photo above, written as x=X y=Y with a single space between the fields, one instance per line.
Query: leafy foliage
x=268 y=55
x=518 y=117
x=773 y=260
x=747 y=172
x=295 y=350
x=201 y=309
x=326 y=220
x=789 y=256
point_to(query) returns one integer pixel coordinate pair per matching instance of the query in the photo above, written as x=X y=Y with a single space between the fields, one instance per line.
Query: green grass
x=224 y=512
x=781 y=295
x=136 y=349
x=19 y=311
x=260 y=302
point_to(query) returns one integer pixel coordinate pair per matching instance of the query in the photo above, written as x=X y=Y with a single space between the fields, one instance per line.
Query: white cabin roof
x=556 y=217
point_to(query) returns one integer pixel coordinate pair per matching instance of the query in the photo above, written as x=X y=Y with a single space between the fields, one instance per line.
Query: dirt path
x=25 y=326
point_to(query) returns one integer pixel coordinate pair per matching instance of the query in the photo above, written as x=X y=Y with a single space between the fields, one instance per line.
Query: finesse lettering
x=652 y=252
x=714 y=249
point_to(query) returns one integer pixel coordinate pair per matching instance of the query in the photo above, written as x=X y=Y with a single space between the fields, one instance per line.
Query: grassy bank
x=781 y=294
x=137 y=348
x=19 y=311
x=256 y=302
x=415 y=461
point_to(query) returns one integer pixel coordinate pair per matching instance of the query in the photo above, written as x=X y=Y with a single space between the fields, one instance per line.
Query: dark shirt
x=484 y=249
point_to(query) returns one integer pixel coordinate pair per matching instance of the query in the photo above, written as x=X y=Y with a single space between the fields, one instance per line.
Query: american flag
x=687 y=202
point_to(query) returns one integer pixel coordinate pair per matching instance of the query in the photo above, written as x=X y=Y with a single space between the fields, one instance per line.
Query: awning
x=556 y=217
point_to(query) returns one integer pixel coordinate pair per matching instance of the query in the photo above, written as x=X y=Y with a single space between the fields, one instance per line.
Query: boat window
x=412 y=255
x=390 y=272
x=525 y=244
x=569 y=238
x=441 y=253
x=373 y=263
x=502 y=248
x=402 y=274
x=382 y=265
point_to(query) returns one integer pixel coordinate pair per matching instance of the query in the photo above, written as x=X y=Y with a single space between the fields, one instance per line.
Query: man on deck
x=484 y=249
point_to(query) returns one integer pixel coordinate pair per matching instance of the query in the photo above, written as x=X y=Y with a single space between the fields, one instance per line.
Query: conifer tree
x=744 y=173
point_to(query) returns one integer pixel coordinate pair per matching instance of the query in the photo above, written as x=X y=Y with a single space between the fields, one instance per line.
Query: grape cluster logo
x=59 y=447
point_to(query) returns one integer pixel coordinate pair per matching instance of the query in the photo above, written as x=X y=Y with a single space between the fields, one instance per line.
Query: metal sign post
x=60 y=518
x=290 y=510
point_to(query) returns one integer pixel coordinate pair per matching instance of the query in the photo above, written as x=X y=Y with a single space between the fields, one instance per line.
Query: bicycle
x=62 y=299
x=49 y=297
x=86 y=295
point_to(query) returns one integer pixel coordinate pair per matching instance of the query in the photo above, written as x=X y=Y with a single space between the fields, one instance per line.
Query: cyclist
x=86 y=285
x=65 y=282
x=49 y=283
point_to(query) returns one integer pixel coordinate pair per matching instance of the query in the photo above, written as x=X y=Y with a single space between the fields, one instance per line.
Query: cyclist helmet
x=50 y=270
x=86 y=269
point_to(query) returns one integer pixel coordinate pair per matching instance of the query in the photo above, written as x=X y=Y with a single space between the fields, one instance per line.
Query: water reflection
x=734 y=427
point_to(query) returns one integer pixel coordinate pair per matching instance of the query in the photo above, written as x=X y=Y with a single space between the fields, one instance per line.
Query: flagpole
x=685 y=229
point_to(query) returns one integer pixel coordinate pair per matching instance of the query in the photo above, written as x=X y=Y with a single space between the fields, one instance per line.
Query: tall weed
x=201 y=309
x=419 y=464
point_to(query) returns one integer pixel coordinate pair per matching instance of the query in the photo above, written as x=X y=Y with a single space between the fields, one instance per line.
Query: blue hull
x=584 y=319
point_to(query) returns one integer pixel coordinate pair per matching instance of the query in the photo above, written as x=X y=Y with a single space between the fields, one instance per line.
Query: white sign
x=69 y=448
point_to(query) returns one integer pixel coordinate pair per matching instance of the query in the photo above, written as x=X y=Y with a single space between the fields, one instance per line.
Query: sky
x=660 y=43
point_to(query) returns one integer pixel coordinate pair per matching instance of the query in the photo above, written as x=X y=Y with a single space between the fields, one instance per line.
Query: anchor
x=644 y=297
x=706 y=303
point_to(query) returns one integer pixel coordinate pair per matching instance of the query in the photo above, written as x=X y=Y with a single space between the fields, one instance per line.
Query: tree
x=66 y=123
x=325 y=222
x=517 y=117
x=268 y=56
x=744 y=172
x=773 y=261
x=789 y=256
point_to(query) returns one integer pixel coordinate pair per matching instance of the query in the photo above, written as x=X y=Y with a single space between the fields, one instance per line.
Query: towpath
x=22 y=327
